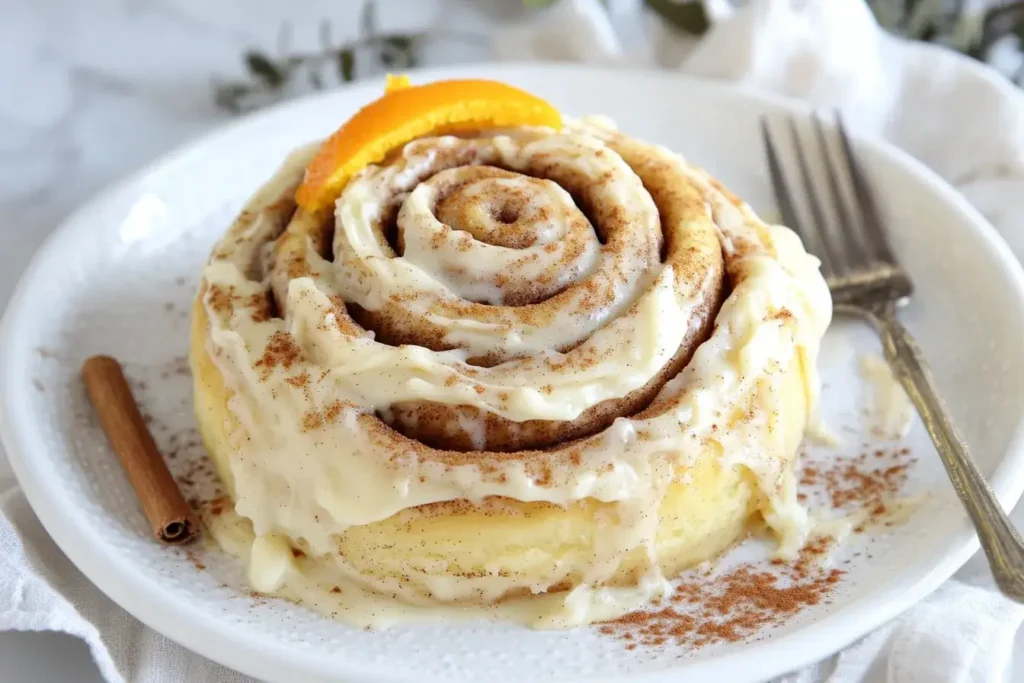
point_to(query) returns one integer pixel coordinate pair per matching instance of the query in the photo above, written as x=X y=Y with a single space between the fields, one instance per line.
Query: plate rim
x=205 y=635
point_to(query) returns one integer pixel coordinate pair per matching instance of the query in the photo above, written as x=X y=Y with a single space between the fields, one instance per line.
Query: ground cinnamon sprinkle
x=220 y=299
x=863 y=482
x=315 y=419
x=219 y=504
x=299 y=381
x=282 y=351
x=708 y=610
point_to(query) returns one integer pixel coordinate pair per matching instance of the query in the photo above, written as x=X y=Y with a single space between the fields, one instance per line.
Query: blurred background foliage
x=987 y=30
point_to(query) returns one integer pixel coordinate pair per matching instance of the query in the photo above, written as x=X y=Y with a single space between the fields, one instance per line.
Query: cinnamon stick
x=168 y=513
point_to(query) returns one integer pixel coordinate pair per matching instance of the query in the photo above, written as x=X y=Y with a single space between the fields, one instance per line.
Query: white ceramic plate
x=119 y=275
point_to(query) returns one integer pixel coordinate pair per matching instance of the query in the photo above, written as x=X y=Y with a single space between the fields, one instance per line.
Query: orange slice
x=407 y=112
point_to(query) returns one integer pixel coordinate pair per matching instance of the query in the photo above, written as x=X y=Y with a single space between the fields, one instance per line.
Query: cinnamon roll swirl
x=509 y=362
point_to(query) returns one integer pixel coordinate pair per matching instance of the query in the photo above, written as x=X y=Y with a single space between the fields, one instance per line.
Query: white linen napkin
x=829 y=52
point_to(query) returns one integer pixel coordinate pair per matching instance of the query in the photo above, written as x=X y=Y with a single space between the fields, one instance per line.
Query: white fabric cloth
x=964 y=122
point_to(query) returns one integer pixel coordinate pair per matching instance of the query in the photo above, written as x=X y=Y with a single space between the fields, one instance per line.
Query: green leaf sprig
x=272 y=78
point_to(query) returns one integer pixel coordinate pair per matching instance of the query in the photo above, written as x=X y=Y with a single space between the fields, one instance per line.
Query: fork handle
x=1002 y=543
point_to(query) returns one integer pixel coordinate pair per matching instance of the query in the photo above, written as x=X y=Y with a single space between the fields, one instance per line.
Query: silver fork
x=866 y=280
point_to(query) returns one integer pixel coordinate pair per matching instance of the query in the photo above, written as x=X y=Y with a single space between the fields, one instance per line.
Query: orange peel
x=406 y=112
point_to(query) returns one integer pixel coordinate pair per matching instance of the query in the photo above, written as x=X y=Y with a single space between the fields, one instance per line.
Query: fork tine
x=782 y=195
x=857 y=252
x=874 y=235
x=830 y=248
x=787 y=206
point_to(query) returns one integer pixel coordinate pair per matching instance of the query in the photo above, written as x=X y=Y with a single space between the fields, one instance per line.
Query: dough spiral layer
x=507 y=363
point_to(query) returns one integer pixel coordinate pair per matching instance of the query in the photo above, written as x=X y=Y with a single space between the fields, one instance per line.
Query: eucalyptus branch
x=273 y=78
x=270 y=78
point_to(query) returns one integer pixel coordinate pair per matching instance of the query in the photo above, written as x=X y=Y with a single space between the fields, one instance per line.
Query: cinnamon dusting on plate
x=869 y=483
x=732 y=607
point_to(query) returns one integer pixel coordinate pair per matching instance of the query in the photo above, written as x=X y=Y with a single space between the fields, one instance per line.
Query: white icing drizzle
x=890 y=407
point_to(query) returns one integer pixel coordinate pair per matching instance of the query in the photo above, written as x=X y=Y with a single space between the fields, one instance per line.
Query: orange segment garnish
x=393 y=83
x=407 y=112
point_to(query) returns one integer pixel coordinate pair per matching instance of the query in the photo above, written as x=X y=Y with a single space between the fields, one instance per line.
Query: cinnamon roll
x=503 y=363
